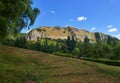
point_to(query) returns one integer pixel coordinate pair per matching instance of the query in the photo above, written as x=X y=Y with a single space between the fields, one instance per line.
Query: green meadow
x=26 y=66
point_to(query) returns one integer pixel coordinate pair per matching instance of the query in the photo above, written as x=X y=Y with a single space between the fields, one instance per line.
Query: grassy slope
x=27 y=66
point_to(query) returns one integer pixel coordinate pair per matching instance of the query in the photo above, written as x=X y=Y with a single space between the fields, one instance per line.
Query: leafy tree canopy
x=16 y=15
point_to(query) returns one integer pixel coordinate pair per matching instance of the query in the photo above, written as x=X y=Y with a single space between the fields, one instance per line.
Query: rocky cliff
x=63 y=33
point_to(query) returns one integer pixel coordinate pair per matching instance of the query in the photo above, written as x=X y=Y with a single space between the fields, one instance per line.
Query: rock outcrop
x=63 y=33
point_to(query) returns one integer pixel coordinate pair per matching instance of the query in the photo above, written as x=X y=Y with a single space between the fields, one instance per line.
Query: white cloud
x=110 y=26
x=52 y=12
x=81 y=18
x=93 y=28
x=112 y=29
x=118 y=36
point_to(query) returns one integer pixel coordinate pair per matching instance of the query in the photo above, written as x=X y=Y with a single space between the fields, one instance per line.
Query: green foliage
x=104 y=61
x=80 y=46
x=86 y=40
x=75 y=51
x=16 y=15
x=69 y=47
x=70 y=43
x=112 y=41
x=97 y=36
x=20 y=42
x=116 y=52
x=107 y=51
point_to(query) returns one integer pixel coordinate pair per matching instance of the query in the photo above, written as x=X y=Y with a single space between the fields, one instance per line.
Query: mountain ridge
x=63 y=32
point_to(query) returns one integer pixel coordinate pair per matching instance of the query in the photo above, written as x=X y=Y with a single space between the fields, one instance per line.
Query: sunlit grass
x=21 y=65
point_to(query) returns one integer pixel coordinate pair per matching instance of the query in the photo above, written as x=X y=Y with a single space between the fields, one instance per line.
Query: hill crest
x=63 y=32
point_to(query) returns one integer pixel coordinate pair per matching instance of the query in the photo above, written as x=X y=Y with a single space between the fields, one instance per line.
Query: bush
x=108 y=62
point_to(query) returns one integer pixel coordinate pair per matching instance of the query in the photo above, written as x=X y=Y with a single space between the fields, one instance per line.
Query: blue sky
x=92 y=15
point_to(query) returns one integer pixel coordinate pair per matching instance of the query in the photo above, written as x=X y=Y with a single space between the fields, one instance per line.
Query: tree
x=97 y=36
x=86 y=40
x=70 y=43
x=116 y=51
x=16 y=15
x=81 y=47
x=107 y=50
x=87 y=47
x=20 y=42
x=98 y=51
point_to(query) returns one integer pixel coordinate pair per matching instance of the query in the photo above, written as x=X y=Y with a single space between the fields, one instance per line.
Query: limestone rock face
x=62 y=33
